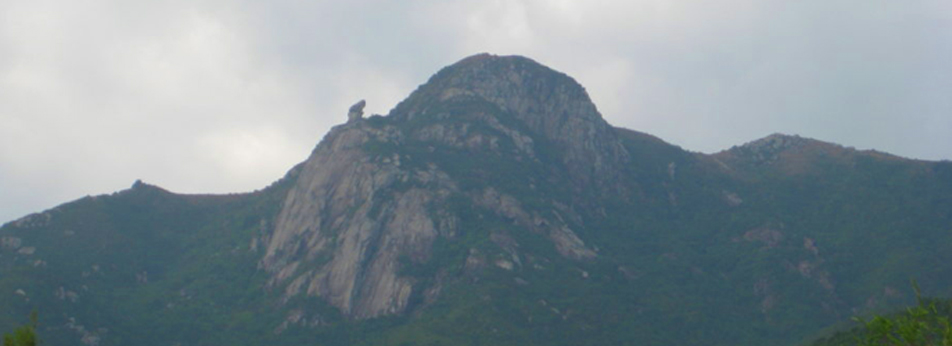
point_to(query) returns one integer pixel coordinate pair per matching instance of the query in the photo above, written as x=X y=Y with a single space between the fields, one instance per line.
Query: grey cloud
x=224 y=96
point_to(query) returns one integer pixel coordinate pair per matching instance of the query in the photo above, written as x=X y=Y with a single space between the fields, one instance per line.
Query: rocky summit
x=353 y=212
x=494 y=206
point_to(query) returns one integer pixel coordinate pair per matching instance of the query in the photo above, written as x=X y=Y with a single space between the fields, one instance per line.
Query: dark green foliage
x=24 y=335
x=926 y=324
x=920 y=325
x=145 y=266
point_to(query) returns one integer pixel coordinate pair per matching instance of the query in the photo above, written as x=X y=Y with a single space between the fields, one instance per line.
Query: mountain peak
x=376 y=191
x=549 y=104
x=487 y=66
x=777 y=142
x=483 y=58
x=140 y=187
x=793 y=153
x=514 y=83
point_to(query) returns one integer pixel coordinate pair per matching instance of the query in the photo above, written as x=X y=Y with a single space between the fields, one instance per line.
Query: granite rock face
x=355 y=216
x=342 y=227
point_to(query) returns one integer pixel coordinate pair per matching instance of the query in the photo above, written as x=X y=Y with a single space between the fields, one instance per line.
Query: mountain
x=494 y=206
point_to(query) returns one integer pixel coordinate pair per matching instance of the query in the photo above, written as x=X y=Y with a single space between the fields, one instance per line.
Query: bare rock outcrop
x=362 y=207
x=349 y=219
x=566 y=242
x=356 y=112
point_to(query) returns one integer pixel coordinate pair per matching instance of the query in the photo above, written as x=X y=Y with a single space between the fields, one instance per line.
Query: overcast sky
x=225 y=96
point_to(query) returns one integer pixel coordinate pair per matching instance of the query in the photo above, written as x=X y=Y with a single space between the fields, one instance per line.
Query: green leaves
x=922 y=325
x=23 y=336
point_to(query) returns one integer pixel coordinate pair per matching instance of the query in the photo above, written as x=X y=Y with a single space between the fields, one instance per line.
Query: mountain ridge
x=494 y=206
x=334 y=167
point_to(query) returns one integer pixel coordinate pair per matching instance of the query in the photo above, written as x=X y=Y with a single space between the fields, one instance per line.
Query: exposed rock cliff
x=355 y=212
x=344 y=225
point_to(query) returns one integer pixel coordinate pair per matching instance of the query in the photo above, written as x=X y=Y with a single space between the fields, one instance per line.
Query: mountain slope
x=495 y=206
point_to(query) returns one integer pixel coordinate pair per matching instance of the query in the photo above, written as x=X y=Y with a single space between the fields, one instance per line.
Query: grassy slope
x=144 y=266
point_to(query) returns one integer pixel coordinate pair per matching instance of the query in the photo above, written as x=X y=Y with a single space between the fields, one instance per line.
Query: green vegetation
x=921 y=325
x=926 y=324
x=24 y=335
x=144 y=266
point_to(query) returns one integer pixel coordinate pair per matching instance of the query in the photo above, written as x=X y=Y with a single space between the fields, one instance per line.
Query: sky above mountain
x=225 y=96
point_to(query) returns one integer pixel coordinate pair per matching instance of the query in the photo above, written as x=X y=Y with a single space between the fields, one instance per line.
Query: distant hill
x=494 y=206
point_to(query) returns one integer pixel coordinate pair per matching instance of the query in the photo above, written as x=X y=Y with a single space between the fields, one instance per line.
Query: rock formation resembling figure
x=356 y=111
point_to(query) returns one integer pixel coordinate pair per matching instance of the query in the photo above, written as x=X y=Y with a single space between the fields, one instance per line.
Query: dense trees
x=926 y=324
x=23 y=336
